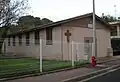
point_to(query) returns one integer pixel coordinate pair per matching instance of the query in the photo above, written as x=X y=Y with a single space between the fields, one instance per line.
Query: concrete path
x=107 y=59
x=56 y=77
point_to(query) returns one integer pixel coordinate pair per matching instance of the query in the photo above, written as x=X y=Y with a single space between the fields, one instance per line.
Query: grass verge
x=24 y=66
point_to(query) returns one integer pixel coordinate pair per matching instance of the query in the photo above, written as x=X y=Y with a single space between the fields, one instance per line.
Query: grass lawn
x=18 y=67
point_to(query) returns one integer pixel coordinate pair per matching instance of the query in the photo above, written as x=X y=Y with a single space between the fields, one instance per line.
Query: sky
x=62 y=9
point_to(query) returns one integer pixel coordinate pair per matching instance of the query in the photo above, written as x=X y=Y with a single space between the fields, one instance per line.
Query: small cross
x=68 y=34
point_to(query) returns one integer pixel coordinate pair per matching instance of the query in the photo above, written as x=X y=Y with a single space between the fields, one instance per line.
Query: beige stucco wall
x=66 y=47
x=23 y=50
x=48 y=51
x=80 y=30
x=53 y=51
x=103 y=40
x=79 y=41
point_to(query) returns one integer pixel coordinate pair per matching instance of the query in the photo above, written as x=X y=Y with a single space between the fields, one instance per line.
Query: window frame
x=14 y=44
x=27 y=39
x=9 y=42
x=49 y=38
x=20 y=40
x=37 y=37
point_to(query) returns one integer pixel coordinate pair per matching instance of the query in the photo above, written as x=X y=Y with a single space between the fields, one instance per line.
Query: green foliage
x=108 y=18
x=46 y=21
x=26 y=21
x=10 y=11
x=18 y=67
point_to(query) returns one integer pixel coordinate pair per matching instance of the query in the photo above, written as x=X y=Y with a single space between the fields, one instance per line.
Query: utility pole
x=94 y=32
x=115 y=11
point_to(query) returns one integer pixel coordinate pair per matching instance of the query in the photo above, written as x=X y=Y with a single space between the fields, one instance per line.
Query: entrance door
x=88 y=47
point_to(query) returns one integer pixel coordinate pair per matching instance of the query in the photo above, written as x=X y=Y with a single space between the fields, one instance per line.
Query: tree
x=10 y=11
x=27 y=21
x=108 y=18
x=31 y=20
x=46 y=21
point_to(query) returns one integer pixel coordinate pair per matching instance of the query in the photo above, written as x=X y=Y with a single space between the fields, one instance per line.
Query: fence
x=28 y=57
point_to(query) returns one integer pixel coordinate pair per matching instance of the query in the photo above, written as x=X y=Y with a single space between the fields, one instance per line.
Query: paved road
x=110 y=77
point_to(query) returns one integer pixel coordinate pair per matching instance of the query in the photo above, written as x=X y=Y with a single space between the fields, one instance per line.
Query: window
x=114 y=31
x=49 y=36
x=37 y=37
x=13 y=40
x=27 y=39
x=20 y=40
x=8 y=41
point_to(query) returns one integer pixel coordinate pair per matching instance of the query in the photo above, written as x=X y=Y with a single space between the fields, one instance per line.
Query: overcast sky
x=62 y=9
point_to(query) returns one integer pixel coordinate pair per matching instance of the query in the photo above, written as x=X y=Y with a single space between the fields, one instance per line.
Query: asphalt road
x=110 y=77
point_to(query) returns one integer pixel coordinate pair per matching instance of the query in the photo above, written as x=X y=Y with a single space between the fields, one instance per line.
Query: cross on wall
x=68 y=34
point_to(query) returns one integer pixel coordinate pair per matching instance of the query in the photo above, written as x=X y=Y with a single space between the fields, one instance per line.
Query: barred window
x=20 y=40
x=13 y=40
x=27 y=39
x=8 y=41
x=37 y=39
x=49 y=36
